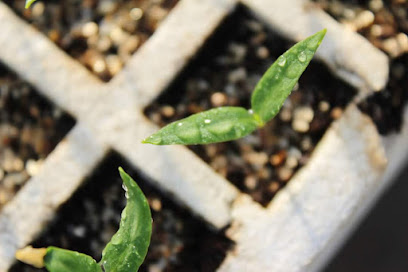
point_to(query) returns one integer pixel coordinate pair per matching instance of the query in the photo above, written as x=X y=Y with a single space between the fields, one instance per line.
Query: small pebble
x=376 y=5
x=285 y=173
x=291 y=162
x=251 y=182
x=336 y=113
x=376 y=30
x=262 y=52
x=33 y=167
x=218 y=99
x=264 y=173
x=300 y=125
x=79 y=231
x=114 y=64
x=89 y=29
x=167 y=111
x=38 y=9
x=304 y=113
x=237 y=75
x=362 y=20
x=274 y=186
x=99 y=66
x=118 y=36
x=136 y=14
x=396 y=46
x=256 y=159
x=107 y=6
x=285 y=114
x=278 y=158
x=104 y=44
x=306 y=144
x=238 y=52
x=156 y=204
x=324 y=106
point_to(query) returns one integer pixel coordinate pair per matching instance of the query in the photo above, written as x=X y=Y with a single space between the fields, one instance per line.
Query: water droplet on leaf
x=302 y=57
x=282 y=61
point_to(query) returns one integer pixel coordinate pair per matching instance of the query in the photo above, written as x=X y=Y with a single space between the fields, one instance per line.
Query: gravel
x=101 y=34
x=30 y=128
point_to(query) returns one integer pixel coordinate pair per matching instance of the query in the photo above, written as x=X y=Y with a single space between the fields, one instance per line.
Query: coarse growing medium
x=88 y=220
x=30 y=128
x=101 y=34
x=225 y=73
x=385 y=25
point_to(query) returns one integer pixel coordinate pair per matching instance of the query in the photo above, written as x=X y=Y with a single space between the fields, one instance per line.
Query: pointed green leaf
x=62 y=260
x=128 y=247
x=28 y=3
x=277 y=83
x=216 y=125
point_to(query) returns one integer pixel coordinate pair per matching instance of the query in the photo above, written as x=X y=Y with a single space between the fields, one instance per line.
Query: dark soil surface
x=30 y=128
x=385 y=25
x=224 y=74
x=86 y=223
x=101 y=34
x=386 y=107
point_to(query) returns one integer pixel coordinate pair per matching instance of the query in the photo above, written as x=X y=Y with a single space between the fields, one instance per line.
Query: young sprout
x=125 y=252
x=28 y=3
x=230 y=123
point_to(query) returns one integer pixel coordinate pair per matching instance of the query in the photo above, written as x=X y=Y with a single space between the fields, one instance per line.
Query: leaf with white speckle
x=128 y=247
x=212 y=126
x=277 y=83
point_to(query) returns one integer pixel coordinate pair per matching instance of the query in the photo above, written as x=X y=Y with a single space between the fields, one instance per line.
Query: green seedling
x=28 y=3
x=231 y=123
x=125 y=252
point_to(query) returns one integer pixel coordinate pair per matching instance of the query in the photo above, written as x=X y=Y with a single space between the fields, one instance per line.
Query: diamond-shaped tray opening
x=30 y=128
x=101 y=34
x=86 y=223
x=225 y=73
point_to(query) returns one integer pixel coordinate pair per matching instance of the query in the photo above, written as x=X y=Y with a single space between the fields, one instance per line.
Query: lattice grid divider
x=303 y=224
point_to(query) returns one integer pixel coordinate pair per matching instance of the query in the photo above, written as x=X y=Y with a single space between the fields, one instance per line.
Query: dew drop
x=302 y=56
x=126 y=195
x=282 y=61
x=180 y=124
x=207 y=121
x=251 y=111
x=124 y=187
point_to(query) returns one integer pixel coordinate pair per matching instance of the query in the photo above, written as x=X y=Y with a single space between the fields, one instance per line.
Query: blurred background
x=104 y=34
